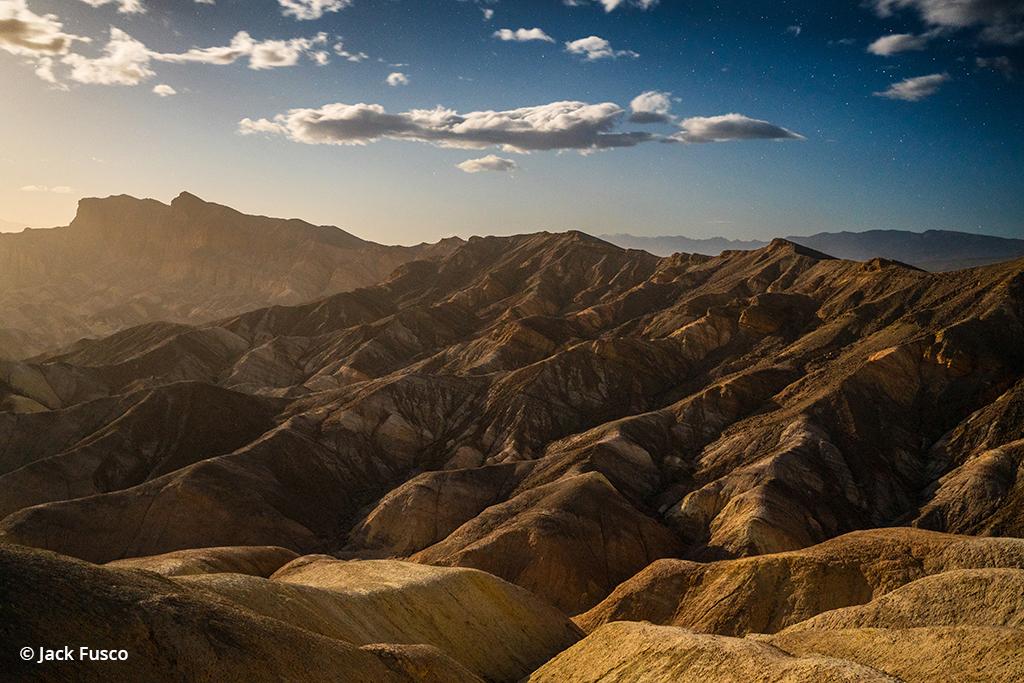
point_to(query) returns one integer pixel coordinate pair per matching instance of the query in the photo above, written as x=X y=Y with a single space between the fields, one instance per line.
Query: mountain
x=125 y=261
x=726 y=447
x=932 y=250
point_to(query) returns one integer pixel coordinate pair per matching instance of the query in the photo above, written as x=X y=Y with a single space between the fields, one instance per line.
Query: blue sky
x=404 y=121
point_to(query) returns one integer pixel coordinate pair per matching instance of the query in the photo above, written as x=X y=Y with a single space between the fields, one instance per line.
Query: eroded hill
x=789 y=465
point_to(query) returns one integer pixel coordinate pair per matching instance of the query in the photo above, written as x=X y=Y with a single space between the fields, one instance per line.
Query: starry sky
x=404 y=121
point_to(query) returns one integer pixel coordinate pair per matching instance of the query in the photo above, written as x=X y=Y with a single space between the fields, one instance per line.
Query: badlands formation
x=539 y=458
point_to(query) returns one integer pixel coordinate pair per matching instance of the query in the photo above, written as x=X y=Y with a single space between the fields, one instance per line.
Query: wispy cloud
x=651 y=107
x=27 y=34
x=898 y=42
x=311 y=9
x=397 y=78
x=1001 y=64
x=914 y=89
x=62 y=189
x=593 y=48
x=265 y=54
x=126 y=6
x=609 y=5
x=340 y=50
x=794 y=30
x=491 y=162
x=729 y=127
x=1001 y=21
x=556 y=126
x=523 y=35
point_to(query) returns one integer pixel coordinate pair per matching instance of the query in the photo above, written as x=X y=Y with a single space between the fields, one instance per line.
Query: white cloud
x=898 y=42
x=555 y=126
x=127 y=6
x=609 y=5
x=164 y=90
x=522 y=35
x=125 y=62
x=914 y=89
x=488 y=14
x=596 y=48
x=311 y=9
x=340 y=50
x=794 y=30
x=651 y=107
x=63 y=189
x=27 y=34
x=262 y=55
x=275 y=53
x=730 y=127
x=397 y=78
x=44 y=70
x=491 y=162
x=1001 y=21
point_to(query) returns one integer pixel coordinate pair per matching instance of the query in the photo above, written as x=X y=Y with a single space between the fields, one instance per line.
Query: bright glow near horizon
x=404 y=121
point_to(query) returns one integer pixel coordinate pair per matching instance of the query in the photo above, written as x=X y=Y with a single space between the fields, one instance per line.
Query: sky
x=404 y=121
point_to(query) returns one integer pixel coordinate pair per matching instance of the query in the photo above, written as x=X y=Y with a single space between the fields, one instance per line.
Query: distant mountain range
x=934 y=250
x=125 y=261
x=10 y=226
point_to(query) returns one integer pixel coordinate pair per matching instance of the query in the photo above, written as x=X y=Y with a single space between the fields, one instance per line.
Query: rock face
x=125 y=261
x=554 y=410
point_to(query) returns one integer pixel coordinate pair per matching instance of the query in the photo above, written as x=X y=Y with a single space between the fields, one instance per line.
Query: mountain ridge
x=931 y=250
x=757 y=450
x=124 y=261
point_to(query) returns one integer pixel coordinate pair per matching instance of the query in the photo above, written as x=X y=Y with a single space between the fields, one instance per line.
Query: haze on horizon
x=403 y=122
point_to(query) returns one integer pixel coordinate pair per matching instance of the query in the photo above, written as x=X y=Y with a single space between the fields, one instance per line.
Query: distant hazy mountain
x=9 y=226
x=933 y=250
x=125 y=261
x=666 y=246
